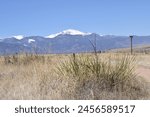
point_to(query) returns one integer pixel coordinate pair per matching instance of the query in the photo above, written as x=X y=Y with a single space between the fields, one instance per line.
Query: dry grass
x=110 y=76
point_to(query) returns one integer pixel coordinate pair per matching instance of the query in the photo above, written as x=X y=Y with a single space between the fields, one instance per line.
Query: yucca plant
x=98 y=74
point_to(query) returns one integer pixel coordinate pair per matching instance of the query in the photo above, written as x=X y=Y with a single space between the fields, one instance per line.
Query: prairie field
x=91 y=76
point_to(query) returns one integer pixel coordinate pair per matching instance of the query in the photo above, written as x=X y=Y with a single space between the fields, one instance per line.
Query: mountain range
x=67 y=41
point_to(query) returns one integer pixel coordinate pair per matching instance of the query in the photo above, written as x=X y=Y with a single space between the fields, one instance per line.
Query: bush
x=98 y=77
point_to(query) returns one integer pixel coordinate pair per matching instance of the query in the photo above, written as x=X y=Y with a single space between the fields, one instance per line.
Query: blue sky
x=44 y=17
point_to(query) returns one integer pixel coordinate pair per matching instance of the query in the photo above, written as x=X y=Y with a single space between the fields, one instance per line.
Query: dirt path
x=144 y=72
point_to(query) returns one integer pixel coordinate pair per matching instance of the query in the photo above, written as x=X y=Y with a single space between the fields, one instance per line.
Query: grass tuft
x=96 y=75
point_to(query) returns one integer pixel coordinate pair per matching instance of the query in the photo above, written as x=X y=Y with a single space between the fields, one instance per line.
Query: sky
x=45 y=17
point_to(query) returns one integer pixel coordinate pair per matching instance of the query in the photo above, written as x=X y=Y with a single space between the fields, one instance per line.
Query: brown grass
x=48 y=77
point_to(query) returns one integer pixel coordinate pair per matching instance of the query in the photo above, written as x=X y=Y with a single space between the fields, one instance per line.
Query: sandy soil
x=144 y=72
x=143 y=68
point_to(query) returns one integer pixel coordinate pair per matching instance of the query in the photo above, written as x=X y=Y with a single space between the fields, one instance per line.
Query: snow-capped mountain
x=19 y=37
x=67 y=41
x=68 y=32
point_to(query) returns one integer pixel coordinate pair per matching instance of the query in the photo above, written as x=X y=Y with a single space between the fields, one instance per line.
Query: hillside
x=145 y=49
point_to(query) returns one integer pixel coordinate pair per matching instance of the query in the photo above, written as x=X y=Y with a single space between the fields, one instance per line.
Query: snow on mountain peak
x=73 y=32
x=31 y=40
x=19 y=37
x=69 y=32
